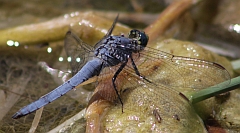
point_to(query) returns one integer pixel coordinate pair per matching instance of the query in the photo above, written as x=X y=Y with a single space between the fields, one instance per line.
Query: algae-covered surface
x=33 y=62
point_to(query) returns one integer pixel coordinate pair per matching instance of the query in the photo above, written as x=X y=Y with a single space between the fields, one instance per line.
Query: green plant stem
x=215 y=90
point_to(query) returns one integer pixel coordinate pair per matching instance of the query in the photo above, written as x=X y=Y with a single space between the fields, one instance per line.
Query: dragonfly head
x=140 y=36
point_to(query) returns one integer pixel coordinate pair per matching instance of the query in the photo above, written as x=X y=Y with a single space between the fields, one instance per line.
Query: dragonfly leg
x=136 y=70
x=113 y=81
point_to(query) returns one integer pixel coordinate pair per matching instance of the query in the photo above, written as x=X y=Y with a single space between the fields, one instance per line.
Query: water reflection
x=12 y=43
x=234 y=27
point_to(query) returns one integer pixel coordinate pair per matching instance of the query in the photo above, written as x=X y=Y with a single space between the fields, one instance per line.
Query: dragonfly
x=124 y=60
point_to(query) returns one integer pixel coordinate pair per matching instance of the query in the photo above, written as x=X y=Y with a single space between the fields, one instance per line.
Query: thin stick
x=68 y=122
x=36 y=120
x=167 y=17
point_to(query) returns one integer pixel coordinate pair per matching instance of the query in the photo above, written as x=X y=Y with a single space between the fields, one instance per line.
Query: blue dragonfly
x=124 y=60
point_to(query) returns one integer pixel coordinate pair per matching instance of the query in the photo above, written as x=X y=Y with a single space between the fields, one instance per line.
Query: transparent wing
x=162 y=69
x=176 y=71
x=141 y=102
x=141 y=98
x=77 y=51
x=108 y=33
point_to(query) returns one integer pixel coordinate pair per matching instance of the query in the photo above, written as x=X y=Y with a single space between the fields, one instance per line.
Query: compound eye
x=134 y=34
x=143 y=39
x=140 y=36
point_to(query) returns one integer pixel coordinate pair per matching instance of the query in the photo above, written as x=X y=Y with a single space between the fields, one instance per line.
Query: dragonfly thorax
x=116 y=49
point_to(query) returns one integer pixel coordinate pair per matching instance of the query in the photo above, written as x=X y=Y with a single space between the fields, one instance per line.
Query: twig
x=36 y=120
x=167 y=17
x=68 y=122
